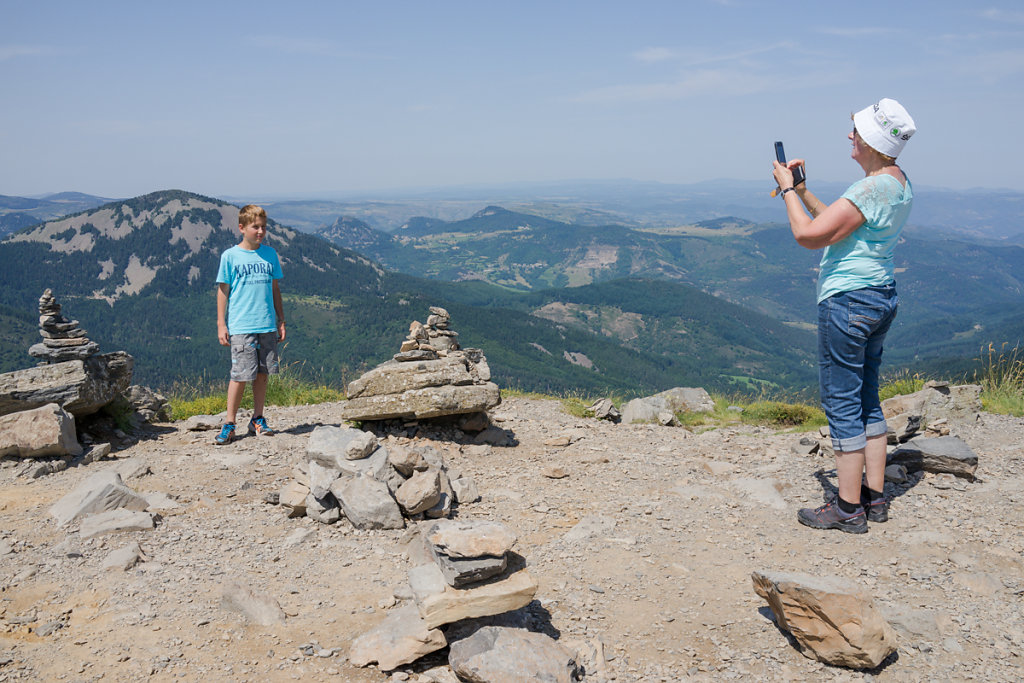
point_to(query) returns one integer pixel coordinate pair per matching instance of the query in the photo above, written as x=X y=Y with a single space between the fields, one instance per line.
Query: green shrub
x=900 y=384
x=779 y=414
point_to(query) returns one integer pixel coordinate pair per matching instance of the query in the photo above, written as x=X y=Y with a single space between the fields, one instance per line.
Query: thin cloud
x=862 y=32
x=655 y=54
x=15 y=51
x=307 y=46
x=717 y=81
x=1004 y=16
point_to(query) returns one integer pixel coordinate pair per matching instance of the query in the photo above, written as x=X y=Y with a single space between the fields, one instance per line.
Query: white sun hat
x=885 y=126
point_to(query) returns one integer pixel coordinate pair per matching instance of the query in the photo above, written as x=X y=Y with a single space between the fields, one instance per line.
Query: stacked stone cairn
x=349 y=473
x=465 y=571
x=63 y=339
x=431 y=376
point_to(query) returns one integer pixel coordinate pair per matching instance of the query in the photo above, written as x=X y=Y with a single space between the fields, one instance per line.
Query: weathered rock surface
x=367 y=503
x=101 y=492
x=255 y=607
x=81 y=387
x=113 y=521
x=937 y=400
x=468 y=538
x=440 y=603
x=423 y=403
x=511 y=655
x=41 y=432
x=831 y=619
x=402 y=638
x=939 y=454
x=677 y=400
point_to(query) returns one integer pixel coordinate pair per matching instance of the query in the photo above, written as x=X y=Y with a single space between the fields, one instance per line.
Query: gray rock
x=255 y=607
x=440 y=603
x=938 y=400
x=149 y=405
x=406 y=460
x=395 y=378
x=465 y=490
x=330 y=446
x=677 y=400
x=470 y=539
x=420 y=492
x=99 y=493
x=589 y=527
x=460 y=572
x=202 y=423
x=402 y=638
x=124 y=558
x=324 y=510
x=604 y=409
x=423 y=403
x=367 y=503
x=320 y=478
x=947 y=454
x=509 y=655
x=81 y=387
x=41 y=432
x=902 y=427
x=114 y=521
x=40 y=467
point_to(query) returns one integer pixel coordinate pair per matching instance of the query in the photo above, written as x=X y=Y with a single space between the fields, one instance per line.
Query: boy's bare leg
x=235 y=392
x=259 y=393
x=874 y=462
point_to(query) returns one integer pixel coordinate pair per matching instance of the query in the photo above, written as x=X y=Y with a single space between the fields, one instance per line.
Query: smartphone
x=780 y=156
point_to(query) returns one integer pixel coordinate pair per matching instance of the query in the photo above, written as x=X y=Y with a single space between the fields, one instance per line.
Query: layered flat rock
x=440 y=604
x=831 y=619
x=395 y=377
x=942 y=454
x=677 y=400
x=81 y=387
x=402 y=638
x=101 y=492
x=423 y=403
x=470 y=539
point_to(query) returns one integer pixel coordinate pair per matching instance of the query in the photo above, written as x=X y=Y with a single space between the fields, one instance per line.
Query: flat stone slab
x=441 y=604
x=256 y=607
x=423 y=403
x=471 y=539
x=81 y=387
x=114 y=521
x=947 y=454
x=397 y=377
x=402 y=638
x=99 y=493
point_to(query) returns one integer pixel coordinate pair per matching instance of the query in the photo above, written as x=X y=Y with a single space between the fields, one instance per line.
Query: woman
x=856 y=304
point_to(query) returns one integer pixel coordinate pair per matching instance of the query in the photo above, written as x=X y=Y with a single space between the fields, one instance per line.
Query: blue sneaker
x=259 y=427
x=227 y=434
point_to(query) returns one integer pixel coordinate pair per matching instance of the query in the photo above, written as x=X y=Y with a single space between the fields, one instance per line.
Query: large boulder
x=81 y=387
x=423 y=402
x=936 y=401
x=42 y=432
x=507 y=655
x=677 y=400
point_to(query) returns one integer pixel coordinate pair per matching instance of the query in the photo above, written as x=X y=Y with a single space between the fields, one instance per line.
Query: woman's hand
x=783 y=176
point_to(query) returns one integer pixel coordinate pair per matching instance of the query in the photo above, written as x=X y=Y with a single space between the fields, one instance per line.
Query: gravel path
x=667 y=527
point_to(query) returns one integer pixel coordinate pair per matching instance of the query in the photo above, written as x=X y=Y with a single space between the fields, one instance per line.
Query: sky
x=305 y=99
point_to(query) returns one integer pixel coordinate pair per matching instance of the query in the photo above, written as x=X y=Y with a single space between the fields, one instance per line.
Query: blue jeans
x=851 y=329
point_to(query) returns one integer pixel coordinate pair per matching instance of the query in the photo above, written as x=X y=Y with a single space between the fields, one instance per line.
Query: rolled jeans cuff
x=856 y=443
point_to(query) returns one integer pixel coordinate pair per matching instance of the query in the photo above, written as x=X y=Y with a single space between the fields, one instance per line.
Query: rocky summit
x=587 y=550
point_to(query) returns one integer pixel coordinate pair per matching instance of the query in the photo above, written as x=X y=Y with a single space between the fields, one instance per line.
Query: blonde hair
x=250 y=213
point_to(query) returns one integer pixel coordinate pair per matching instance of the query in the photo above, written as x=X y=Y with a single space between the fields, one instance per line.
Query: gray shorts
x=253 y=354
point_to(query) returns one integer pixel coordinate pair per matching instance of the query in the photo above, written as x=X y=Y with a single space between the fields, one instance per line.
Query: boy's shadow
x=893 y=490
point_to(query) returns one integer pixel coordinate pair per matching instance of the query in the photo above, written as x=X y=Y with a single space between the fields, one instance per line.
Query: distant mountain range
x=21 y=212
x=139 y=274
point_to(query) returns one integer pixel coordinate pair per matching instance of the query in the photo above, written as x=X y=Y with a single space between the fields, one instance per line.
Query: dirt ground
x=678 y=521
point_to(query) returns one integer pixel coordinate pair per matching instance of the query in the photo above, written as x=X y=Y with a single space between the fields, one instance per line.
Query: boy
x=249 y=294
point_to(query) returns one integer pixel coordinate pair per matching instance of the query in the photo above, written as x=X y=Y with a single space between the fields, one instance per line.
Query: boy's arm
x=223 y=292
x=279 y=310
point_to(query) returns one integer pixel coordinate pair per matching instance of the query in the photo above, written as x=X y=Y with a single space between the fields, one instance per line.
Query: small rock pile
x=63 y=339
x=349 y=472
x=431 y=376
x=463 y=571
x=430 y=341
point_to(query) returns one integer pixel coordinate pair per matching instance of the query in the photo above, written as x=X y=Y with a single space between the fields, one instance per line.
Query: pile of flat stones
x=431 y=376
x=463 y=573
x=429 y=341
x=349 y=472
x=63 y=339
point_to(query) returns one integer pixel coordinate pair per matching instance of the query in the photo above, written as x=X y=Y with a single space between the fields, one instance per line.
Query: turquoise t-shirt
x=250 y=275
x=864 y=258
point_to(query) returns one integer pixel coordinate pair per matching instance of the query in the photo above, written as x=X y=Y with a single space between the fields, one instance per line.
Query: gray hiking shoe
x=831 y=516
